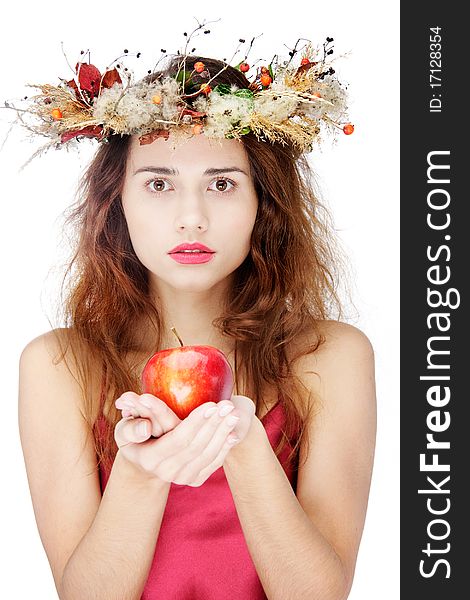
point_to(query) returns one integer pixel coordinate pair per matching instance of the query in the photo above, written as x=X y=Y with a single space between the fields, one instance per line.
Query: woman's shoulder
x=338 y=348
x=327 y=338
x=340 y=378
x=52 y=345
x=56 y=353
x=338 y=334
x=46 y=343
x=46 y=372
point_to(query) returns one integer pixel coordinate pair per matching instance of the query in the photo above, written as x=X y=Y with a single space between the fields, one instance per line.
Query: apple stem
x=173 y=329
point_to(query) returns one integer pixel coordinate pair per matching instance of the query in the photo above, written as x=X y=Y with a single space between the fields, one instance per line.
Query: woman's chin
x=196 y=284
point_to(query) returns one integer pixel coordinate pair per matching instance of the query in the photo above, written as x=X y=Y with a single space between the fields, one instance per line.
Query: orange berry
x=305 y=61
x=348 y=129
x=265 y=79
x=197 y=129
x=199 y=67
x=206 y=88
x=56 y=113
x=157 y=99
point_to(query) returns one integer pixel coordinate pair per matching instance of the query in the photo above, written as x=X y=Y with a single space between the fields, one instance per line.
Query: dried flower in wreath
x=284 y=102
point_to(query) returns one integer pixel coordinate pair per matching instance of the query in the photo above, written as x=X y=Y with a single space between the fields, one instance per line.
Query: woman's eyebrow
x=211 y=171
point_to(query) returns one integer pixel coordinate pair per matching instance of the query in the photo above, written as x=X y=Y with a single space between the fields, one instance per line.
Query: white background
x=359 y=179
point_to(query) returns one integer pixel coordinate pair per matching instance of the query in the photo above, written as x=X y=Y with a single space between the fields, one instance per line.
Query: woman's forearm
x=113 y=559
x=293 y=560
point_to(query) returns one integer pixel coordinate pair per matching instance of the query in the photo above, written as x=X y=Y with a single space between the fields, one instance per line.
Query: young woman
x=262 y=495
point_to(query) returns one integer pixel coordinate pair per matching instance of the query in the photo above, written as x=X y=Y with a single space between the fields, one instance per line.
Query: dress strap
x=270 y=410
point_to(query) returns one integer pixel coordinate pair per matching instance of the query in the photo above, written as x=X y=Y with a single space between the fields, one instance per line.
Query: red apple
x=188 y=376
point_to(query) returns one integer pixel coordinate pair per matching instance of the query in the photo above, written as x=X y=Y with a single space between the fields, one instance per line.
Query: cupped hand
x=185 y=452
x=162 y=419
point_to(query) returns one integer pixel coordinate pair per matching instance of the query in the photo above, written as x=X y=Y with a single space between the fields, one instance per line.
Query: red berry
x=244 y=67
x=206 y=88
x=304 y=61
x=265 y=79
x=348 y=129
x=199 y=67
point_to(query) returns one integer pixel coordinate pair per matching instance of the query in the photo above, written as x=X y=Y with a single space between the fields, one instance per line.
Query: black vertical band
x=435 y=269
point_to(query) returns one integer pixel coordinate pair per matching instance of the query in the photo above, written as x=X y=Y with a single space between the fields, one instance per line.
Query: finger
x=126 y=403
x=206 y=472
x=209 y=408
x=167 y=419
x=218 y=443
x=198 y=428
x=202 y=449
x=126 y=400
x=131 y=430
x=175 y=444
x=243 y=403
x=130 y=403
x=245 y=408
x=149 y=406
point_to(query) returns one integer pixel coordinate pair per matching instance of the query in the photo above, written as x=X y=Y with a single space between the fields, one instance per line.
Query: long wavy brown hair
x=285 y=286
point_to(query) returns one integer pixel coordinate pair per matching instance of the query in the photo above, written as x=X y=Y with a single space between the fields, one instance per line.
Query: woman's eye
x=156 y=185
x=221 y=185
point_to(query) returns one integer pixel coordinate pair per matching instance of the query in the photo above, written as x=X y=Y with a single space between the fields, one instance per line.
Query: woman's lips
x=191 y=246
x=192 y=258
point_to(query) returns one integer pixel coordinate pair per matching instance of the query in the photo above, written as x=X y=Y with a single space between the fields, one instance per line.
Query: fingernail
x=227 y=408
x=142 y=429
x=232 y=420
x=146 y=402
x=210 y=411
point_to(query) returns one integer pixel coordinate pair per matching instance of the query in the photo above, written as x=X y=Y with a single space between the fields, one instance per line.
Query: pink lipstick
x=191 y=254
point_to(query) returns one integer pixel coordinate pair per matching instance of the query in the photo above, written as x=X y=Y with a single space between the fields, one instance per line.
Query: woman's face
x=202 y=191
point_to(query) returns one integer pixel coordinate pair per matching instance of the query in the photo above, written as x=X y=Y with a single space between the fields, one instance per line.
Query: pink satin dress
x=201 y=553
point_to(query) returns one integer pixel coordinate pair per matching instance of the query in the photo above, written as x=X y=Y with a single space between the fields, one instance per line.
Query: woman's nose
x=191 y=216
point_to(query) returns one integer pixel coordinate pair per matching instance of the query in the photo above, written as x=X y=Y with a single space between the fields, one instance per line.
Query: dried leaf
x=110 y=78
x=92 y=131
x=74 y=86
x=192 y=113
x=148 y=138
x=89 y=78
x=304 y=68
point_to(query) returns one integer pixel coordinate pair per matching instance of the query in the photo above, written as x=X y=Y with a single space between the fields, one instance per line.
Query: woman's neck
x=192 y=314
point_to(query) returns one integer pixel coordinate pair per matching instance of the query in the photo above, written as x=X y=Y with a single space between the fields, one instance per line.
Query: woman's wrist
x=136 y=475
x=251 y=443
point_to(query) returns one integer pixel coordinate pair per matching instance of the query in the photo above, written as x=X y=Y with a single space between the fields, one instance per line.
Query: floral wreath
x=285 y=102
